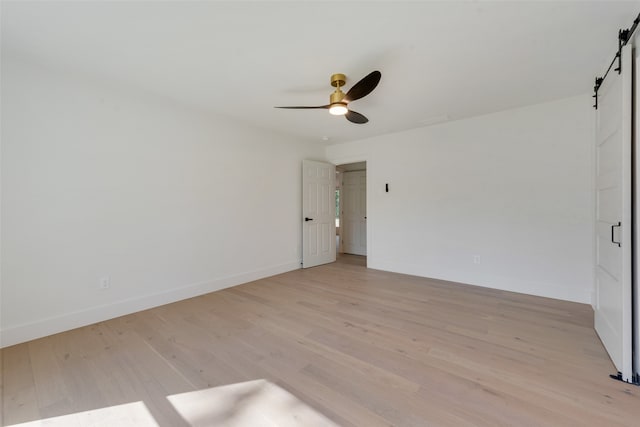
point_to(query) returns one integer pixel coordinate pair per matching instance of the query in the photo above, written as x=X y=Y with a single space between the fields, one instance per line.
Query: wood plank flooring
x=333 y=345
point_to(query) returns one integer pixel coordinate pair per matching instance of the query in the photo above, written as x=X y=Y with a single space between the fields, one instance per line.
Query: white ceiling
x=439 y=60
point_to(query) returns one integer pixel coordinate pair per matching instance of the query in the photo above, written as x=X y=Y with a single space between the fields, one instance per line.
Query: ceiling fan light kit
x=338 y=109
x=339 y=101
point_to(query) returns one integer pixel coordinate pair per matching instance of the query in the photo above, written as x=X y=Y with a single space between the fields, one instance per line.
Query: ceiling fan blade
x=363 y=87
x=304 y=108
x=354 y=117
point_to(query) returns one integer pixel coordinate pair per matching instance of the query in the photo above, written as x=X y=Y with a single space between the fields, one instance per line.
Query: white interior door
x=318 y=213
x=613 y=215
x=354 y=212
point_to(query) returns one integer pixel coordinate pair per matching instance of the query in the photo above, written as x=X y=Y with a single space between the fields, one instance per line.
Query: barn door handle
x=612 y=239
x=311 y=219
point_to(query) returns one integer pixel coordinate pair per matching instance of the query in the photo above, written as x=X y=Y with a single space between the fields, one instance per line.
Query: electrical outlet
x=476 y=259
x=105 y=282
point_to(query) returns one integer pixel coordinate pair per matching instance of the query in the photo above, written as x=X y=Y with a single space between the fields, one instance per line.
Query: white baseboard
x=53 y=325
x=546 y=290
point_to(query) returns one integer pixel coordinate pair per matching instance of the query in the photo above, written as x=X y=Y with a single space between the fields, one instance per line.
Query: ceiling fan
x=339 y=101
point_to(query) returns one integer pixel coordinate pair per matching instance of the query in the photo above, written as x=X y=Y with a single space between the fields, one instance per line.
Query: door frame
x=339 y=161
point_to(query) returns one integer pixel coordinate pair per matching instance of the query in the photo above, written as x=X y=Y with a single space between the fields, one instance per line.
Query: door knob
x=308 y=219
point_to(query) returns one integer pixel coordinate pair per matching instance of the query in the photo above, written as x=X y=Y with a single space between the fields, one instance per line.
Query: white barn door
x=613 y=215
x=318 y=213
x=636 y=282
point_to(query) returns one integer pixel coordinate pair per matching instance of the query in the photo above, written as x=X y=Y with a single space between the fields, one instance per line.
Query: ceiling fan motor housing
x=336 y=97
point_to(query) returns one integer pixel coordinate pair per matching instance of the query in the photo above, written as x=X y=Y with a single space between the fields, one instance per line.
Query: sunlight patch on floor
x=128 y=414
x=253 y=403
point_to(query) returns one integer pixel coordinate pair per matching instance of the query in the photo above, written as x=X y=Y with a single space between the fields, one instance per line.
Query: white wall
x=167 y=202
x=513 y=187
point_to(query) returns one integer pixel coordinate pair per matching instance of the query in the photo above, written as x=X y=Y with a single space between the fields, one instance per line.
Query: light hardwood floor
x=335 y=344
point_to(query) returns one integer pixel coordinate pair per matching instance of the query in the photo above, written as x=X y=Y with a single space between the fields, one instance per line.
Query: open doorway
x=351 y=209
